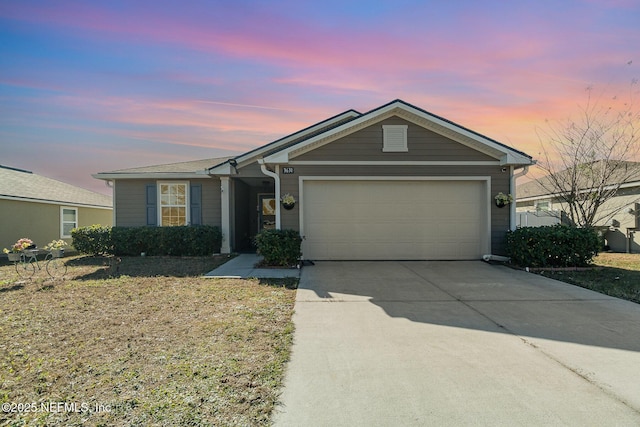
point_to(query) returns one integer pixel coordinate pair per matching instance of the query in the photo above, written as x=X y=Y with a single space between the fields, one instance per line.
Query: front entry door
x=266 y=212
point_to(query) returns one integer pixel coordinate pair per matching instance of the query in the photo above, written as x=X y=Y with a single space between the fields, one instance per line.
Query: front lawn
x=141 y=341
x=613 y=274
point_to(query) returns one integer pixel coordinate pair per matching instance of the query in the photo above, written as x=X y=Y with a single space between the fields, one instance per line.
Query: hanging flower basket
x=503 y=200
x=14 y=256
x=288 y=201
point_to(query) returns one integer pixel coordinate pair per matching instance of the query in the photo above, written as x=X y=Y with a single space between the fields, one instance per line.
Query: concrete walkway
x=457 y=343
x=243 y=267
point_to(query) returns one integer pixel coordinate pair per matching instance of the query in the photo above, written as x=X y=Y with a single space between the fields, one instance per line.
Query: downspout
x=276 y=179
x=512 y=185
x=512 y=213
x=110 y=185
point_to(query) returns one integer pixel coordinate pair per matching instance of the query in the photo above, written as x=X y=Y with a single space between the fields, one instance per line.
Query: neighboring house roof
x=194 y=168
x=472 y=139
x=540 y=188
x=18 y=184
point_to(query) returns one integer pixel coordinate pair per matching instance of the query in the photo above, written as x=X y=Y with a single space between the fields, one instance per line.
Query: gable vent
x=394 y=138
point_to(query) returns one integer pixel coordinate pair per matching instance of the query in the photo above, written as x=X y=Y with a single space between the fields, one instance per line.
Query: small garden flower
x=19 y=246
x=288 y=199
x=55 y=244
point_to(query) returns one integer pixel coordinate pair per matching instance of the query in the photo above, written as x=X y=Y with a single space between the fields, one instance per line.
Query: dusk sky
x=94 y=86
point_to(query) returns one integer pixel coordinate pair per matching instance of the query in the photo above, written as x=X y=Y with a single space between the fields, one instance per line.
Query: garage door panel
x=394 y=219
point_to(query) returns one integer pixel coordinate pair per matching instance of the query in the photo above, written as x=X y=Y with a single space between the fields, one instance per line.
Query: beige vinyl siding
x=366 y=144
x=131 y=207
x=41 y=221
x=90 y=216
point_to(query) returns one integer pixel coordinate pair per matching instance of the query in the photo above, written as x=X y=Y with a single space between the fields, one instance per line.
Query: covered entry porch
x=249 y=205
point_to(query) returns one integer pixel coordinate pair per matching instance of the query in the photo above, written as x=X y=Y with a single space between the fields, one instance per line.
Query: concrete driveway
x=457 y=343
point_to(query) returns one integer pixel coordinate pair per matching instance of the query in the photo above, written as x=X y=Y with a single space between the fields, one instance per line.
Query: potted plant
x=502 y=199
x=288 y=201
x=56 y=247
x=18 y=247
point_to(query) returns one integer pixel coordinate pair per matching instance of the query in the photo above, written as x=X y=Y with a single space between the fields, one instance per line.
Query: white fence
x=538 y=218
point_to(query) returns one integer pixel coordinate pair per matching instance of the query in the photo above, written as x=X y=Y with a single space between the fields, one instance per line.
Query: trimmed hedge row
x=279 y=247
x=179 y=241
x=553 y=246
x=92 y=240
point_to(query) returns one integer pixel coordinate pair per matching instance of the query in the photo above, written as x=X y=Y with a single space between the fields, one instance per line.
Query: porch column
x=512 y=205
x=225 y=198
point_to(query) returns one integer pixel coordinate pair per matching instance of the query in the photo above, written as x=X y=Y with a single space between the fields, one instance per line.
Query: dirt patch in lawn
x=142 y=341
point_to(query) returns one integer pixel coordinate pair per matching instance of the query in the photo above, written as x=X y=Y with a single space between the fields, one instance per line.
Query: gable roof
x=18 y=184
x=190 y=169
x=321 y=133
x=286 y=141
x=537 y=189
x=507 y=155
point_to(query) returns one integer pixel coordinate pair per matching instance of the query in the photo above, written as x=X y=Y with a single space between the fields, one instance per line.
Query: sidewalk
x=243 y=267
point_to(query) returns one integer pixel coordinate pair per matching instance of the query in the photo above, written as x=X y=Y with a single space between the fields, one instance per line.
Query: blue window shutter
x=152 y=195
x=196 y=204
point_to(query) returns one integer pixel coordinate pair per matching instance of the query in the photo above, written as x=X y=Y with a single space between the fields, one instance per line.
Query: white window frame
x=187 y=201
x=394 y=138
x=63 y=222
x=539 y=203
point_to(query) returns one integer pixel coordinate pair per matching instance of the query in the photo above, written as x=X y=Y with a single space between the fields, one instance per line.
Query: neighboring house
x=619 y=217
x=394 y=183
x=44 y=209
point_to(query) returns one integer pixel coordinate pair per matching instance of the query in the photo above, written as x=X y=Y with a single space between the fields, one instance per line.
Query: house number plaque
x=287 y=170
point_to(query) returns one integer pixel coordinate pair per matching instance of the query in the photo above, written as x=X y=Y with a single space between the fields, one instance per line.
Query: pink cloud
x=501 y=77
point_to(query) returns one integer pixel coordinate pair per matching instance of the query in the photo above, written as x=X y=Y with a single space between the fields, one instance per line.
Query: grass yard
x=614 y=274
x=141 y=342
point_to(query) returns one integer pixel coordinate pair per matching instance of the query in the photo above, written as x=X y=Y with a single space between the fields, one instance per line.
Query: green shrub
x=196 y=240
x=553 y=246
x=279 y=247
x=93 y=240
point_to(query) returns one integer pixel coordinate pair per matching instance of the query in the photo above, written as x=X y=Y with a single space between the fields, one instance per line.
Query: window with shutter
x=173 y=198
x=394 y=138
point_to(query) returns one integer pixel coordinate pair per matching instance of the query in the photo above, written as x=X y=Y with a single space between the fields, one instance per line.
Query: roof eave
x=151 y=175
x=55 y=202
x=253 y=155
x=516 y=159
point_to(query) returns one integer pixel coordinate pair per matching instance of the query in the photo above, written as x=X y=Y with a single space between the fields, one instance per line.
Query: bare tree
x=589 y=158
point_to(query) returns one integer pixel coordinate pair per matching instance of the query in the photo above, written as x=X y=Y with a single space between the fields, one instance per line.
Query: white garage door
x=394 y=220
